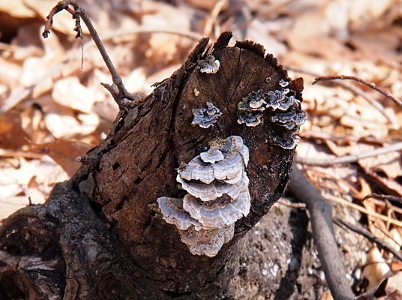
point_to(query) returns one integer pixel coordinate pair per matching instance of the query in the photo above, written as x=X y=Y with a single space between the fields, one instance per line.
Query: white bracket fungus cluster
x=209 y=65
x=218 y=195
x=206 y=117
x=284 y=110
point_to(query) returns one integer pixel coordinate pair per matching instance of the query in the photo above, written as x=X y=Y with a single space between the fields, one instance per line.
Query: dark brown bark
x=99 y=237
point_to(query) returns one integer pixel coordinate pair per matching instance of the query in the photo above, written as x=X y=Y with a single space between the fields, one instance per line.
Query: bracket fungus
x=283 y=108
x=209 y=65
x=206 y=117
x=218 y=195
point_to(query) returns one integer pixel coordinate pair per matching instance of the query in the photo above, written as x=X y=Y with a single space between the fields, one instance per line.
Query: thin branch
x=347 y=159
x=14 y=100
x=287 y=203
x=363 y=210
x=28 y=155
x=353 y=88
x=383 y=197
x=385 y=204
x=321 y=222
x=371 y=237
x=365 y=82
x=79 y=12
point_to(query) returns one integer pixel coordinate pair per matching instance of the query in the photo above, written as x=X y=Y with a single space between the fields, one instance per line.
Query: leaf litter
x=53 y=111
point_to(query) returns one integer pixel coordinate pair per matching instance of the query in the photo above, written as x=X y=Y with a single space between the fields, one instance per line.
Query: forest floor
x=53 y=108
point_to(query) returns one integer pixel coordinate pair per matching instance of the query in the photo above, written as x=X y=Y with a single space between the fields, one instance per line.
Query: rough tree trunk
x=100 y=235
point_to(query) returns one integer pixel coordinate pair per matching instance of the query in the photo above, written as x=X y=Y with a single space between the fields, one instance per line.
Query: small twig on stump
x=365 y=82
x=321 y=222
x=371 y=237
x=78 y=12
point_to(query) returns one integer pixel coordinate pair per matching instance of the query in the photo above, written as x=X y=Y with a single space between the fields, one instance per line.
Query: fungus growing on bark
x=286 y=141
x=251 y=109
x=218 y=195
x=279 y=99
x=220 y=212
x=282 y=108
x=209 y=65
x=212 y=155
x=206 y=241
x=290 y=119
x=283 y=83
x=173 y=213
x=206 y=117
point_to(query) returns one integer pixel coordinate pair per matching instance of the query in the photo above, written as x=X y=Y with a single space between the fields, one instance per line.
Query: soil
x=279 y=259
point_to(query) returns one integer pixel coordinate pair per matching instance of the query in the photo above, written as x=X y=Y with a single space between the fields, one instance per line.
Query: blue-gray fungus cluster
x=217 y=196
x=209 y=65
x=282 y=107
x=206 y=117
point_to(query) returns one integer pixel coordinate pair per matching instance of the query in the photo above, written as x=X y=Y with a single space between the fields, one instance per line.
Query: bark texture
x=99 y=235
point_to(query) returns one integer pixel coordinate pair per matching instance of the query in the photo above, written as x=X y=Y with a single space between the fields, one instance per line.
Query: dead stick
x=354 y=89
x=371 y=237
x=347 y=159
x=383 y=197
x=365 y=82
x=79 y=12
x=322 y=225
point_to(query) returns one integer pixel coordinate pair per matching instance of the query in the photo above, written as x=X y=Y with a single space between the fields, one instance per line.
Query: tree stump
x=100 y=235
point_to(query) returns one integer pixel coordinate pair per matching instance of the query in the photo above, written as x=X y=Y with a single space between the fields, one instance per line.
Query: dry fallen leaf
x=64 y=153
x=376 y=268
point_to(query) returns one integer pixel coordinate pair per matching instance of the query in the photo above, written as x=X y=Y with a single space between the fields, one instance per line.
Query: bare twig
x=353 y=88
x=367 y=234
x=322 y=225
x=14 y=100
x=347 y=159
x=77 y=12
x=383 y=204
x=29 y=155
x=383 y=197
x=287 y=203
x=363 y=210
x=365 y=82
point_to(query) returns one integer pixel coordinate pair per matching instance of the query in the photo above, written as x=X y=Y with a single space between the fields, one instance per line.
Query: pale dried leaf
x=376 y=268
x=16 y=8
x=62 y=125
x=65 y=153
x=164 y=16
x=71 y=93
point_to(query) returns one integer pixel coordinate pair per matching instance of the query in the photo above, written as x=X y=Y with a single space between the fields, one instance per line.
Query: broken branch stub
x=247 y=96
x=219 y=93
x=225 y=105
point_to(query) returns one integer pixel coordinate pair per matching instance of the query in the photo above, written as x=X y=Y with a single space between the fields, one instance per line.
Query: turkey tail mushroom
x=218 y=195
